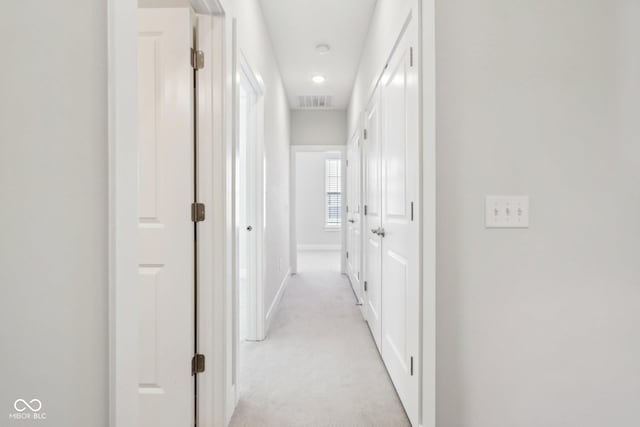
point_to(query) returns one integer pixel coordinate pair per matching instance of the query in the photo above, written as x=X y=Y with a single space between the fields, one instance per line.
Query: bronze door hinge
x=197 y=212
x=197 y=59
x=197 y=364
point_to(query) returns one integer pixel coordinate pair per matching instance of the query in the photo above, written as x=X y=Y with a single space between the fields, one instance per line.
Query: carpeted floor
x=319 y=365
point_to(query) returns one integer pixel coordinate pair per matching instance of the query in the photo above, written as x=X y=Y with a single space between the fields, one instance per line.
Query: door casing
x=253 y=173
x=249 y=164
x=293 y=242
x=354 y=214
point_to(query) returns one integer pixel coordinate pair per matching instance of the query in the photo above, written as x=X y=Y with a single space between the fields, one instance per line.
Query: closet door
x=373 y=219
x=400 y=226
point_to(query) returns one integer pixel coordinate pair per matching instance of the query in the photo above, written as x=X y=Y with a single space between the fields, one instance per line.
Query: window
x=333 y=183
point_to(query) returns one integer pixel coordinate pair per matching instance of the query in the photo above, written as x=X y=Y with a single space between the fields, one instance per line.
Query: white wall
x=311 y=201
x=385 y=26
x=539 y=327
x=254 y=41
x=53 y=220
x=312 y=127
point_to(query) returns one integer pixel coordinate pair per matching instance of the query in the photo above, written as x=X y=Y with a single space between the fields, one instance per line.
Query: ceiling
x=297 y=26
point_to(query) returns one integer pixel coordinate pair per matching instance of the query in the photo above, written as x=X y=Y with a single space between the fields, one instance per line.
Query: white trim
x=227 y=395
x=343 y=219
x=353 y=280
x=334 y=148
x=245 y=67
x=208 y=321
x=207 y=7
x=293 y=235
x=276 y=300
x=332 y=228
x=123 y=212
x=428 y=131
x=319 y=247
x=216 y=386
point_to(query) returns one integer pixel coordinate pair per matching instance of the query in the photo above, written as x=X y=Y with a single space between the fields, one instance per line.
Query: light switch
x=507 y=212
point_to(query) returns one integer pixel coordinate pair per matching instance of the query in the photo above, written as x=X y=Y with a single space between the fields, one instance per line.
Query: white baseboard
x=276 y=302
x=354 y=283
x=319 y=247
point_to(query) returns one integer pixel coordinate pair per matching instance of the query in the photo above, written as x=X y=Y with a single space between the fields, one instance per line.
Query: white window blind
x=334 y=192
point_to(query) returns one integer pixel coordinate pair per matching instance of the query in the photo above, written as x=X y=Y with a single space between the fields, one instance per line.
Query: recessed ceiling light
x=318 y=79
x=323 y=48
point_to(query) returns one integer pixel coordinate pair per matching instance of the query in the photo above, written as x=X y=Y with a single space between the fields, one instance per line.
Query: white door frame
x=123 y=213
x=356 y=139
x=293 y=243
x=427 y=37
x=255 y=292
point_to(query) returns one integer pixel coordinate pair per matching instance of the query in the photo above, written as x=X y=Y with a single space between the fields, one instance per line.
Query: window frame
x=332 y=223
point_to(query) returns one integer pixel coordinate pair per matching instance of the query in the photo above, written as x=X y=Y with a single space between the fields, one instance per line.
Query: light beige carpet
x=319 y=365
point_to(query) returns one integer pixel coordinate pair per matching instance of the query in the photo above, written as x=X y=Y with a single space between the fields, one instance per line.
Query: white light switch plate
x=507 y=212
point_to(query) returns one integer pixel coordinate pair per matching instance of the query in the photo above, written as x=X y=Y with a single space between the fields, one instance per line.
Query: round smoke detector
x=323 y=48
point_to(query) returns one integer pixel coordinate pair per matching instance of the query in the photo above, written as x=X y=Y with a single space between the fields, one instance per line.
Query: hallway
x=319 y=365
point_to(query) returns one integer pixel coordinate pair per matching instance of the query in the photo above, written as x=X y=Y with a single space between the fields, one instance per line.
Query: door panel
x=165 y=228
x=395 y=295
x=372 y=220
x=401 y=245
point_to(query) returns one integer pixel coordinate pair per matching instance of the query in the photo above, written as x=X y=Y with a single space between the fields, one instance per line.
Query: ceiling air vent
x=318 y=102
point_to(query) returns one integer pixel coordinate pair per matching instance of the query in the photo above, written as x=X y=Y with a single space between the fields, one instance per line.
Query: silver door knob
x=249 y=228
x=352 y=221
x=379 y=231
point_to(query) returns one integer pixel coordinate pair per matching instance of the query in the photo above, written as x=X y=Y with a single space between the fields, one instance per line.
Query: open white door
x=354 y=212
x=400 y=222
x=250 y=325
x=166 y=257
x=373 y=219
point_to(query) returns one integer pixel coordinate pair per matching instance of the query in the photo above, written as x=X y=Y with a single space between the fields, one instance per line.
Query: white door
x=373 y=219
x=400 y=225
x=246 y=196
x=166 y=253
x=354 y=194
